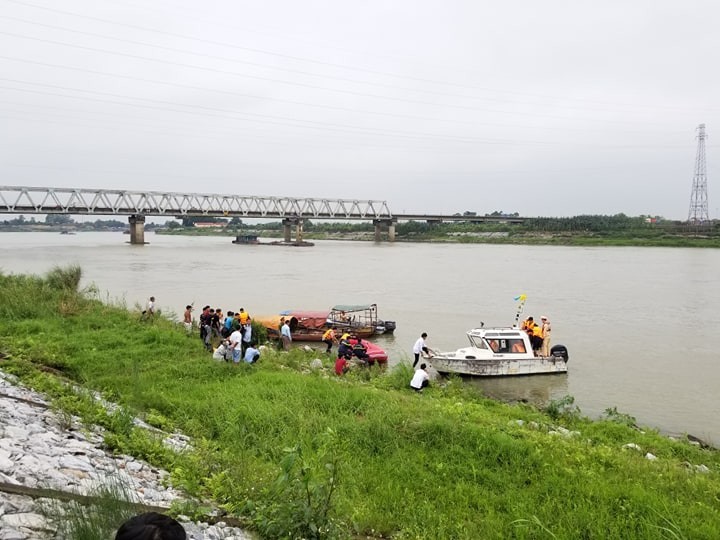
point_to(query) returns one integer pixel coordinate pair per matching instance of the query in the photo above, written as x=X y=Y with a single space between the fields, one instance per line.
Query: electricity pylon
x=698 y=214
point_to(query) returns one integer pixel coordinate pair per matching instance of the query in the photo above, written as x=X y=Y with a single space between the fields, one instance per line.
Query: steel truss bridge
x=139 y=204
x=46 y=200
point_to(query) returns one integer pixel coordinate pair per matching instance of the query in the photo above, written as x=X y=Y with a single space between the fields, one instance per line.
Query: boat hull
x=499 y=367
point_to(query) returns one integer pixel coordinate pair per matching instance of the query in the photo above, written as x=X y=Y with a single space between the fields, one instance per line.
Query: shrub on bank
x=298 y=452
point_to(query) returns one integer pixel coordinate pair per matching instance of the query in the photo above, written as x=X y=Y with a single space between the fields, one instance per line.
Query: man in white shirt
x=420 y=379
x=223 y=352
x=285 y=335
x=247 y=337
x=420 y=347
x=236 y=346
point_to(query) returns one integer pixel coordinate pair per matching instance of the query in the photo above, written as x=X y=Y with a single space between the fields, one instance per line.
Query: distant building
x=209 y=224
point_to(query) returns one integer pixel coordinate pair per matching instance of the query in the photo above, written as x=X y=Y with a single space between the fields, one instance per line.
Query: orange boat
x=304 y=325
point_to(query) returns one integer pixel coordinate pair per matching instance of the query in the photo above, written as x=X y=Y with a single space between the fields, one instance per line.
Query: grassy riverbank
x=300 y=453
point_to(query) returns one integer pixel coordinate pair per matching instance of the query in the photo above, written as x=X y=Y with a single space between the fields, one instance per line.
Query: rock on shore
x=40 y=449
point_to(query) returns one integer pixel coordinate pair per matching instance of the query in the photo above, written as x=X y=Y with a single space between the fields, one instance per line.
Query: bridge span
x=139 y=204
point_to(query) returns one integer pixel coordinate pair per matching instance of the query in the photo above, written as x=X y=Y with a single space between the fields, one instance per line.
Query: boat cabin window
x=504 y=345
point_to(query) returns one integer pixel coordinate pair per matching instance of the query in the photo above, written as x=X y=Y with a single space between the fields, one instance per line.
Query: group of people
x=539 y=335
x=349 y=346
x=233 y=331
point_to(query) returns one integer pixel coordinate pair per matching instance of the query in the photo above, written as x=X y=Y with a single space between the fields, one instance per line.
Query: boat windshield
x=478 y=342
x=501 y=345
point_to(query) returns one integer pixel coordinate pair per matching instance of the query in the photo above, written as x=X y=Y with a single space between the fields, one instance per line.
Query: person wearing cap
x=546 y=330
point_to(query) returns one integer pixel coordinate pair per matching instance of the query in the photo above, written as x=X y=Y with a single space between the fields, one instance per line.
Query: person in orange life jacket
x=527 y=323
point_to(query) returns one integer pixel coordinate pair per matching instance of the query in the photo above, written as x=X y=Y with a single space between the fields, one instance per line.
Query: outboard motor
x=560 y=351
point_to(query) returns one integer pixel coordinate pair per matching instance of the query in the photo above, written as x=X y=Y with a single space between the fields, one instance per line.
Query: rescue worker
x=329 y=338
x=527 y=323
x=360 y=350
x=344 y=349
x=536 y=338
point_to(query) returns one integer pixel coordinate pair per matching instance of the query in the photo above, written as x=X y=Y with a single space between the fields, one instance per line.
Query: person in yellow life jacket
x=329 y=338
x=243 y=316
x=345 y=349
x=536 y=338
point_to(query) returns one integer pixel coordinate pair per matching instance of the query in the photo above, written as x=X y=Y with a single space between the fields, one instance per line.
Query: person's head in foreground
x=151 y=526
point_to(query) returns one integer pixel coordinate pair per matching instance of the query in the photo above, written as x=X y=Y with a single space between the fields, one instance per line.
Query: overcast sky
x=551 y=108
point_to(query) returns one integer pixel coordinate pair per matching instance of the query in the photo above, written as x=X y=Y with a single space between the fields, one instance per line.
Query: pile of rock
x=45 y=453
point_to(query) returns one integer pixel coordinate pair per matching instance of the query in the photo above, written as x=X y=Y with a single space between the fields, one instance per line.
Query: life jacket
x=537 y=331
x=328 y=335
x=243 y=317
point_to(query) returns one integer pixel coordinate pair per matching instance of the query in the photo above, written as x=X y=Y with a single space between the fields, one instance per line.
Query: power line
x=291 y=83
x=323 y=63
x=265 y=118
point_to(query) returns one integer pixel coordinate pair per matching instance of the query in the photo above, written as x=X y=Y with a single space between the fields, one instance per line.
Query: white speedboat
x=500 y=352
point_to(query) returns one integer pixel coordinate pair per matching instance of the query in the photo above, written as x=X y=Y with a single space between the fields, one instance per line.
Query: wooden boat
x=304 y=325
x=500 y=351
x=361 y=320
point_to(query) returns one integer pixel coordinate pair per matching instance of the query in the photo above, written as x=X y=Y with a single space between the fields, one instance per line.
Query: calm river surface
x=637 y=321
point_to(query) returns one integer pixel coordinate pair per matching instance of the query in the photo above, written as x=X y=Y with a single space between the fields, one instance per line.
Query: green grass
x=298 y=453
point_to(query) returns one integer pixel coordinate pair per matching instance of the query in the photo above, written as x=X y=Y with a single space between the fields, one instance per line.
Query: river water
x=636 y=321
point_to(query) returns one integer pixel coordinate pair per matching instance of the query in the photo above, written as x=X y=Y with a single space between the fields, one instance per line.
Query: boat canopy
x=354 y=307
x=305 y=314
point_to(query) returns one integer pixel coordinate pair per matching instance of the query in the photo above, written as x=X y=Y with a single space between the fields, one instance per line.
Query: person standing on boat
x=329 y=338
x=546 y=330
x=420 y=347
x=528 y=324
x=420 y=379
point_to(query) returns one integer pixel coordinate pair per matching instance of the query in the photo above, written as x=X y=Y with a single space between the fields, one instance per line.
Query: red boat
x=374 y=352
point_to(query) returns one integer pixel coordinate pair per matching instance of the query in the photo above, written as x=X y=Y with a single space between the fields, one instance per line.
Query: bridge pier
x=384 y=224
x=288 y=224
x=137 y=229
